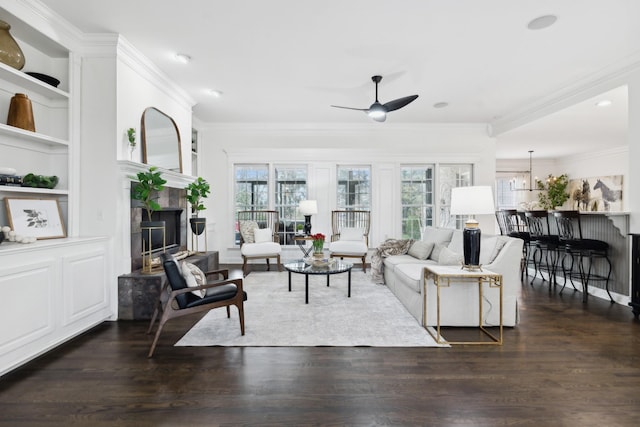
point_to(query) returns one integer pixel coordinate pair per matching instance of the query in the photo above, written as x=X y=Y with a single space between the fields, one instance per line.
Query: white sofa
x=403 y=274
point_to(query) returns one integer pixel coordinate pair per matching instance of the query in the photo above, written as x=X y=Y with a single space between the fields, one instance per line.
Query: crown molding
x=610 y=77
x=476 y=128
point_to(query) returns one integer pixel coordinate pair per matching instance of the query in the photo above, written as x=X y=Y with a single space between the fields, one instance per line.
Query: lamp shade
x=477 y=200
x=308 y=207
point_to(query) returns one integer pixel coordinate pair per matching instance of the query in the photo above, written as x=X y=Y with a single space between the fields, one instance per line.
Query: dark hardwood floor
x=565 y=364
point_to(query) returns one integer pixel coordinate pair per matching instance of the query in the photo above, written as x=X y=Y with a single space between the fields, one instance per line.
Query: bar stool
x=545 y=254
x=512 y=224
x=574 y=246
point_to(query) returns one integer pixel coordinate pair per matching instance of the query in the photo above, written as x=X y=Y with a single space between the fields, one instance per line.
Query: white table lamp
x=308 y=208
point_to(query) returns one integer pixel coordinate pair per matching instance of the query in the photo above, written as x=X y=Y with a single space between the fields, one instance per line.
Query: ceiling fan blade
x=400 y=102
x=351 y=108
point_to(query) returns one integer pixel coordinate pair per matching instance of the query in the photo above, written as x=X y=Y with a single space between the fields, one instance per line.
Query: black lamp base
x=471 y=245
x=307 y=225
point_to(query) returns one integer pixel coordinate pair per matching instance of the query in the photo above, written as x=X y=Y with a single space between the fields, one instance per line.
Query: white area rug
x=373 y=316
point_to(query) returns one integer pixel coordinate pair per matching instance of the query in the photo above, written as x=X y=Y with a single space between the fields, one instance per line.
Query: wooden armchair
x=182 y=301
x=259 y=237
x=350 y=235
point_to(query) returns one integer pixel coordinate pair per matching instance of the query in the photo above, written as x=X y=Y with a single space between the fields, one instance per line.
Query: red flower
x=318 y=236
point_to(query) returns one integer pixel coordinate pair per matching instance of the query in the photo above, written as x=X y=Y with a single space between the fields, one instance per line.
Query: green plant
x=555 y=191
x=196 y=191
x=146 y=188
x=131 y=135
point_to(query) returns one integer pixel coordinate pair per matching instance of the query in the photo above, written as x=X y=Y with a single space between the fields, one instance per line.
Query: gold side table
x=446 y=276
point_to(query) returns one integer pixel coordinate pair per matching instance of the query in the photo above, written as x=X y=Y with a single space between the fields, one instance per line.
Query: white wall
x=384 y=147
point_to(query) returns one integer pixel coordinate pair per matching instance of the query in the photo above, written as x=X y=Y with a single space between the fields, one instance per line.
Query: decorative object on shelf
x=554 y=191
x=145 y=190
x=11 y=180
x=39 y=218
x=131 y=137
x=477 y=200
x=318 y=244
x=39 y=181
x=10 y=52
x=44 y=78
x=21 y=113
x=308 y=208
x=5 y=231
x=196 y=192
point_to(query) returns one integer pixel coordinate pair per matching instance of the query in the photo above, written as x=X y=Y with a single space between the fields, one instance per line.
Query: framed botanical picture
x=40 y=218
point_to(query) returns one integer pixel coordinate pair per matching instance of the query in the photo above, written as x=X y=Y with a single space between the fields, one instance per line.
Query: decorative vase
x=10 y=52
x=21 y=113
x=318 y=255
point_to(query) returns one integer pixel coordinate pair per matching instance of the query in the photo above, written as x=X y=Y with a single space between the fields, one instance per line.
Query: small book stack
x=14 y=180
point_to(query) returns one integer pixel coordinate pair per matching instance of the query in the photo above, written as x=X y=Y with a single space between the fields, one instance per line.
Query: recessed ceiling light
x=215 y=93
x=184 y=58
x=440 y=105
x=604 y=103
x=542 y=22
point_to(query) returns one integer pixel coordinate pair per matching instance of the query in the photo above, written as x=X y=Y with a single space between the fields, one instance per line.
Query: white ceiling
x=286 y=61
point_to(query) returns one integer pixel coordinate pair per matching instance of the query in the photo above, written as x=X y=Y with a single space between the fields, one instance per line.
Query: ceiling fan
x=377 y=111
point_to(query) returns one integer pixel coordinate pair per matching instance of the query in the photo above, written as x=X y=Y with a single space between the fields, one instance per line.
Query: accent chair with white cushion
x=259 y=237
x=350 y=235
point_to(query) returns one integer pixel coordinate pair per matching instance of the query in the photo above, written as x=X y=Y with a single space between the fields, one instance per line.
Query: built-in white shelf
x=31 y=136
x=31 y=84
x=31 y=190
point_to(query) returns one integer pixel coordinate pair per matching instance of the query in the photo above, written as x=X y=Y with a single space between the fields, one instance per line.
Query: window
x=251 y=190
x=451 y=176
x=354 y=187
x=291 y=188
x=416 y=184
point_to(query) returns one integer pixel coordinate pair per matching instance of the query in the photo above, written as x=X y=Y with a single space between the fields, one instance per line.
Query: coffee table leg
x=328 y=275
x=306 y=289
x=349 y=286
x=289 y=281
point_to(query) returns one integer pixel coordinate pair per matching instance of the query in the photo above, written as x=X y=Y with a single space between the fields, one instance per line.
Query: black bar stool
x=512 y=224
x=574 y=246
x=545 y=254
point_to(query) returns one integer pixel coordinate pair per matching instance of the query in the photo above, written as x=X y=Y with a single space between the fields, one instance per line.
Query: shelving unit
x=46 y=151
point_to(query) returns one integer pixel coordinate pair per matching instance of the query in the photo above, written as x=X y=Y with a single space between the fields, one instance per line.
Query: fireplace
x=173 y=208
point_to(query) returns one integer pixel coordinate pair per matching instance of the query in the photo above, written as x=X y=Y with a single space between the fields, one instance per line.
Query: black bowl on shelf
x=44 y=78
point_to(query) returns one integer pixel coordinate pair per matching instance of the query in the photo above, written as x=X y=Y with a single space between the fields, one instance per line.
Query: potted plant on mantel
x=147 y=185
x=196 y=192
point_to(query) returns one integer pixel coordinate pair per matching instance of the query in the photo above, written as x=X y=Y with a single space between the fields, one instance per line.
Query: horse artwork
x=609 y=195
x=596 y=194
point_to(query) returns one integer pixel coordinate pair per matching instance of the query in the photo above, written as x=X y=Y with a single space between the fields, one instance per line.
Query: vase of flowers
x=318 y=244
x=131 y=137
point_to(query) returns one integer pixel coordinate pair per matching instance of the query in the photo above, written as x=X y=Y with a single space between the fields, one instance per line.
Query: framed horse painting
x=596 y=194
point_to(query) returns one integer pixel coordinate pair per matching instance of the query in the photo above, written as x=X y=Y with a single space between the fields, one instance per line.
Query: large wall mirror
x=160 y=140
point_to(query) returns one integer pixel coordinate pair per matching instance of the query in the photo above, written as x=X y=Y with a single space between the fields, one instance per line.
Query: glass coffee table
x=301 y=267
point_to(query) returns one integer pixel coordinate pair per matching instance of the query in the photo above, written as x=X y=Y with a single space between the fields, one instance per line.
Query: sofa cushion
x=261 y=235
x=257 y=249
x=420 y=249
x=395 y=260
x=246 y=229
x=456 y=244
x=348 y=247
x=449 y=257
x=437 y=235
x=410 y=275
x=351 y=233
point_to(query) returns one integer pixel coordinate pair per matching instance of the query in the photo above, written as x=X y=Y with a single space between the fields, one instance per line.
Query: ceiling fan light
x=376 y=111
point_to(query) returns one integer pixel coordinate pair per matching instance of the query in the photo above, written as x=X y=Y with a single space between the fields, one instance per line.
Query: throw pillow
x=435 y=252
x=448 y=257
x=437 y=235
x=194 y=277
x=421 y=250
x=262 y=235
x=496 y=249
x=351 y=233
x=246 y=229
